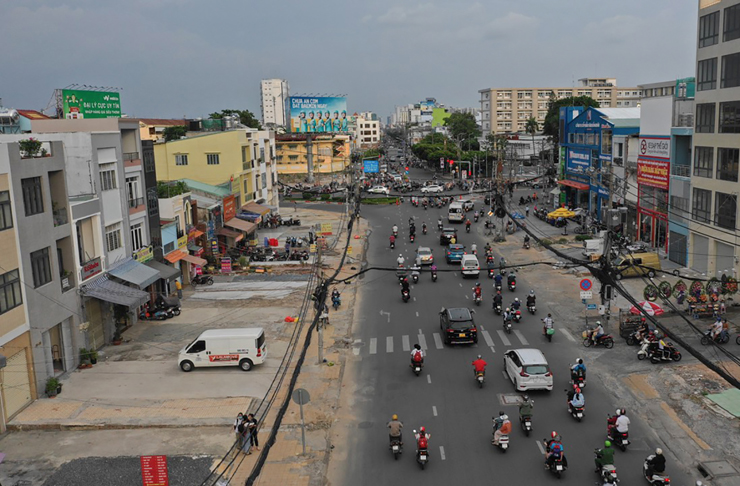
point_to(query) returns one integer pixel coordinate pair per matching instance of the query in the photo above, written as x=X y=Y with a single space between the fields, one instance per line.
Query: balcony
x=135 y=202
x=131 y=159
x=60 y=216
x=681 y=170
x=67 y=281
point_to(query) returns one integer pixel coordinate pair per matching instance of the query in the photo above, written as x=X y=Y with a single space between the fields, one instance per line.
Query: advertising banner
x=154 y=471
x=653 y=162
x=229 y=203
x=90 y=104
x=318 y=115
x=578 y=160
x=655 y=147
x=370 y=166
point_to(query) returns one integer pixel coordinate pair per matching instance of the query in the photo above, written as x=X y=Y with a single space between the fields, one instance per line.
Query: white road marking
x=542 y=448
x=356 y=349
x=373 y=345
x=405 y=343
x=461 y=286
x=423 y=342
x=568 y=335
x=417 y=313
x=487 y=337
x=389 y=344
x=503 y=338
x=482 y=328
x=414 y=299
x=521 y=337
x=434 y=410
x=438 y=341
x=493 y=350
x=442 y=452
x=466 y=296
x=429 y=379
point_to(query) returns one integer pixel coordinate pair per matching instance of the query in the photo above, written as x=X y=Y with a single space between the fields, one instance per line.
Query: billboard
x=90 y=104
x=370 y=166
x=318 y=115
x=578 y=160
x=654 y=162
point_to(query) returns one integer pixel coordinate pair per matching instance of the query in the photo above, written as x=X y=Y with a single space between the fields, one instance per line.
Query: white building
x=367 y=130
x=274 y=95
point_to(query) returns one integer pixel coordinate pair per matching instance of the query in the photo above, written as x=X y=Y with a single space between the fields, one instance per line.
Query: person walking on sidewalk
x=239 y=428
x=178 y=286
x=252 y=433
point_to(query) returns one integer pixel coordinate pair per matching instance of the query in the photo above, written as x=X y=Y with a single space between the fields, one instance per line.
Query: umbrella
x=561 y=213
x=650 y=308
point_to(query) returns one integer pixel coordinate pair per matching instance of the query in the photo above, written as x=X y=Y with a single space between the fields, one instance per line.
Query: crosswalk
x=491 y=338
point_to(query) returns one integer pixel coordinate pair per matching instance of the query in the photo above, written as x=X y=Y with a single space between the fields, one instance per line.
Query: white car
x=527 y=369
x=433 y=188
x=425 y=255
x=379 y=190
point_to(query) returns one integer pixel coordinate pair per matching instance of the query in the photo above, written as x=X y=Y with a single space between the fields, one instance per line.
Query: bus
x=456 y=213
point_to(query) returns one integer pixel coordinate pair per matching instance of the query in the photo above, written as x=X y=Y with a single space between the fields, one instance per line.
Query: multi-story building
x=153 y=128
x=713 y=243
x=367 y=130
x=274 y=94
x=330 y=153
x=508 y=109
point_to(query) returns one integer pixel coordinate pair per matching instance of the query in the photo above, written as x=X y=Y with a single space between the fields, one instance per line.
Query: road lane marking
x=417 y=313
x=487 y=337
x=373 y=345
x=482 y=328
x=438 y=341
x=455 y=274
x=466 y=296
x=493 y=350
x=461 y=286
x=442 y=452
x=568 y=335
x=503 y=372
x=422 y=342
x=429 y=379
x=389 y=344
x=434 y=410
x=503 y=337
x=356 y=349
x=521 y=337
x=405 y=343
x=414 y=299
x=542 y=448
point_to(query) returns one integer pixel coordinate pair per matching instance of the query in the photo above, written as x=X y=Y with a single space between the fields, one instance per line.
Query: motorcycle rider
x=498 y=278
x=525 y=408
x=424 y=228
x=400 y=260
x=548 y=323
x=577 y=400
x=516 y=304
x=597 y=332
x=479 y=366
x=656 y=464
x=555 y=450
x=433 y=268
x=477 y=291
x=439 y=223
x=467 y=225
x=395 y=229
x=405 y=285
x=412 y=230
x=474 y=249
x=511 y=278
x=622 y=424
x=417 y=355
x=577 y=368
x=665 y=352
x=502 y=264
x=501 y=426
x=336 y=297
x=716 y=329
x=422 y=434
x=507 y=315
x=526 y=240
x=642 y=330
x=395 y=427
x=604 y=456
x=531 y=299
x=497 y=299
x=393 y=241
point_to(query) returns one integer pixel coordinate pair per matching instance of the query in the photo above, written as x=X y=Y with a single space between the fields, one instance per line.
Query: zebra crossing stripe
x=373 y=345
x=389 y=344
x=521 y=337
x=487 y=337
x=503 y=337
x=405 y=343
x=423 y=342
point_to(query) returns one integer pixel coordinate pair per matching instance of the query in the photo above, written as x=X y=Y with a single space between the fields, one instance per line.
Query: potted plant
x=84 y=358
x=52 y=385
x=93 y=354
x=29 y=147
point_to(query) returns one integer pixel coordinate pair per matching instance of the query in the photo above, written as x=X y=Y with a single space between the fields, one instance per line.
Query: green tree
x=175 y=133
x=246 y=117
x=532 y=128
x=552 y=119
x=463 y=130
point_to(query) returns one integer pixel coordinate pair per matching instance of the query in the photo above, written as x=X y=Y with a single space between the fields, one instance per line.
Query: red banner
x=229 y=203
x=154 y=471
x=654 y=172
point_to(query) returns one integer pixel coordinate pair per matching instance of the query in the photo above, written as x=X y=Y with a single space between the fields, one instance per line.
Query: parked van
x=628 y=266
x=456 y=212
x=244 y=347
x=469 y=266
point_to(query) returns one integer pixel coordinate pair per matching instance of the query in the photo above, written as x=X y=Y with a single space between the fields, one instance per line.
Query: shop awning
x=577 y=185
x=196 y=249
x=166 y=272
x=114 y=292
x=229 y=233
x=175 y=256
x=136 y=273
x=253 y=207
x=241 y=225
x=195 y=260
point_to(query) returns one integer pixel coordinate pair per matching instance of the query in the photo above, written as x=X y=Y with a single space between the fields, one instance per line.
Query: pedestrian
x=722 y=308
x=252 y=433
x=239 y=428
x=526 y=210
x=178 y=286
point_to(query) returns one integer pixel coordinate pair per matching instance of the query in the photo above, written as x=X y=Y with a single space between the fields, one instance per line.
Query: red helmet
x=554 y=434
x=422 y=430
x=578 y=390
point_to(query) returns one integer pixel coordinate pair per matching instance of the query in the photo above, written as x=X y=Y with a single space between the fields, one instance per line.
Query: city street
x=445 y=397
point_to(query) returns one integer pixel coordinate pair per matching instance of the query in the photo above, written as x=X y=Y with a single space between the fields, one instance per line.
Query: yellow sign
x=349 y=250
x=312 y=248
x=143 y=255
x=253 y=242
x=325 y=229
x=182 y=242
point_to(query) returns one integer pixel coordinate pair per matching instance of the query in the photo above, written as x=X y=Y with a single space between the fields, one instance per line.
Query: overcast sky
x=176 y=58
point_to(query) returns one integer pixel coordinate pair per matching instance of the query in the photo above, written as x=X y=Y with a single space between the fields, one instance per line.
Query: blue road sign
x=370 y=166
x=591 y=306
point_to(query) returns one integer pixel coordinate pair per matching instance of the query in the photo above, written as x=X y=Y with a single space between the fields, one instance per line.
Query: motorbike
x=722 y=338
x=336 y=301
x=512 y=285
x=439 y=226
x=634 y=338
x=526 y=245
x=467 y=228
x=396 y=448
x=503 y=442
x=412 y=238
x=517 y=315
x=171 y=305
x=532 y=308
x=405 y=295
x=607 y=472
x=620 y=439
x=477 y=298
x=497 y=308
x=416 y=366
x=577 y=378
x=480 y=377
x=491 y=272
x=202 y=280
x=415 y=277
x=434 y=275
x=507 y=327
x=606 y=340
x=497 y=285
x=393 y=245
x=154 y=315
x=656 y=479
x=557 y=467
x=526 y=423
x=650 y=349
x=576 y=412
x=425 y=206
x=395 y=233
x=422 y=451
x=475 y=218
x=548 y=332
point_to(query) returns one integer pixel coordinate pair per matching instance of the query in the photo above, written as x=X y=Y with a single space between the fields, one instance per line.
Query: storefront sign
x=578 y=160
x=143 y=255
x=325 y=229
x=154 y=471
x=312 y=248
x=601 y=191
x=655 y=147
x=214 y=246
x=226 y=265
x=93 y=267
x=653 y=172
x=211 y=229
x=182 y=242
x=229 y=203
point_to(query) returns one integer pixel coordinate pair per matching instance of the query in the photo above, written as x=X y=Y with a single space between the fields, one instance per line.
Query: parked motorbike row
x=163 y=308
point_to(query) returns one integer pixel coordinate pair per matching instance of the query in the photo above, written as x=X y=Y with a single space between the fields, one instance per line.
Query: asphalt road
x=446 y=398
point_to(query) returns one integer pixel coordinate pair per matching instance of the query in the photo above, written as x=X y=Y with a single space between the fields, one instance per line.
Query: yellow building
x=330 y=153
x=153 y=128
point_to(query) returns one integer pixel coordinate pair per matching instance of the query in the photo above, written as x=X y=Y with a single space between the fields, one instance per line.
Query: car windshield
x=461 y=325
x=535 y=369
x=425 y=252
x=456 y=248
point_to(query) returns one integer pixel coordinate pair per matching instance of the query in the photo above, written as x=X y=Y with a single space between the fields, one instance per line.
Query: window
x=701 y=205
x=152 y=201
x=212 y=159
x=732 y=23
x=729 y=117
x=149 y=165
x=705 y=113
x=6 y=215
x=137 y=236
x=10 y=291
x=33 y=199
x=727 y=164
x=730 y=71
x=679 y=206
x=108 y=177
x=181 y=159
x=703 y=161
x=606 y=142
x=707 y=74
x=41 y=267
x=113 y=237
x=709 y=29
x=725 y=210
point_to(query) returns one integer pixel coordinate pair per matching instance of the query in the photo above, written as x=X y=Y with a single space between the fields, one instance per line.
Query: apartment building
x=330 y=154
x=713 y=242
x=274 y=94
x=367 y=130
x=508 y=109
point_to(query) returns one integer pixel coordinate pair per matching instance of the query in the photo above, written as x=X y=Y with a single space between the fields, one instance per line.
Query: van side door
x=197 y=353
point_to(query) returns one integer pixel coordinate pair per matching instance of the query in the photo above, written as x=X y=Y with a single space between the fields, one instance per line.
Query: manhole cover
x=510 y=399
x=717 y=469
x=365 y=425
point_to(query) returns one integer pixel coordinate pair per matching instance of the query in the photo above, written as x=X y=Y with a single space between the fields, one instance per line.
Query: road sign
x=301 y=396
x=590 y=306
x=370 y=166
x=586 y=284
x=586 y=294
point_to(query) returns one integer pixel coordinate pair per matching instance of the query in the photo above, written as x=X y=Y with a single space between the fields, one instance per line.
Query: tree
x=246 y=117
x=463 y=129
x=175 y=133
x=552 y=120
x=532 y=128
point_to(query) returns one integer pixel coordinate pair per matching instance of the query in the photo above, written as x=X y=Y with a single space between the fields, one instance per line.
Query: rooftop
x=620 y=113
x=219 y=191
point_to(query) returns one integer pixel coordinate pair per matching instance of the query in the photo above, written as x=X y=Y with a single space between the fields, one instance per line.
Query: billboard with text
x=654 y=161
x=90 y=104
x=318 y=114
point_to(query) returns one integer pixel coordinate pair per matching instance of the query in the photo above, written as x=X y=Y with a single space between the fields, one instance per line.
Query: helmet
x=501 y=414
x=607 y=443
x=480 y=357
x=508 y=310
x=416 y=346
x=477 y=284
x=504 y=417
x=598 y=323
x=580 y=361
x=526 y=398
x=394 y=417
x=401 y=255
x=516 y=299
x=549 y=315
x=618 y=412
x=659 y=451
x=531 y=292
x=578 y=390
x=422 y=429
x=554 y=434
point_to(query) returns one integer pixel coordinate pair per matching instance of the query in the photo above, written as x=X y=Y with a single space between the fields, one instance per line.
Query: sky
x=188 y=58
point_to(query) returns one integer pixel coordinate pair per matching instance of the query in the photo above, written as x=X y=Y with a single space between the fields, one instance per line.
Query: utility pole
x=321 y=304
x=309 y=158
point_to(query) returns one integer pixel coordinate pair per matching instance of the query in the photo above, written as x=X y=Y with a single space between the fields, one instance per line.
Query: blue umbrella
x=517 y=215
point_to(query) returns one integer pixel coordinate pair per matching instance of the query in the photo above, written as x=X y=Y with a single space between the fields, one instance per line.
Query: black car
x=458 y=326
x=446 y=236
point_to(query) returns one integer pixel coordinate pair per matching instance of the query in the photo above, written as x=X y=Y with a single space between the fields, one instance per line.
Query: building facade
x=367 y=130
x=508 y=109
x=713 y=243
x=274 y=94
x=330 y=153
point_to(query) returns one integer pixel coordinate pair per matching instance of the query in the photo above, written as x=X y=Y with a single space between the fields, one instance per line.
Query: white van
x=468 y=205
x=456 y=212
x=527 y=369
x=469 y=266
x=244 y=347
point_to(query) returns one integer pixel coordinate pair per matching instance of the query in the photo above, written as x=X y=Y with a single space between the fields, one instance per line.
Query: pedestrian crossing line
x=482 y=328
x=568 y=335
x=506 y=377
x=356 y=349
x=487 y=337
x=417 y=313
x=422 y=342
x=521 y=337
x=461 y=286
x=503 y=337
x=438 y=341
x=442 y=452
x=389 y=344
x=429 y=379
x=373 y=345
x=405 y=343
x=466 y=296
x=414 y=299
x=541 y=447
x=493 y=350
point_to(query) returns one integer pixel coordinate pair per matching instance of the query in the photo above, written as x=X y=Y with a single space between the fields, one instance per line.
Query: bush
x=563 y=241
x=583 y=237
x=308 y=196
x=546 y=242
x=51 y=386
x=379 y=200
x=325 y=197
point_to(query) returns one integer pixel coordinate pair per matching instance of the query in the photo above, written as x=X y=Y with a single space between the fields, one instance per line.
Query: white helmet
x=659 y=451
x=516 y=299
x=618 y=412
x=598 y=323
x=400 y=255
x=504 y=417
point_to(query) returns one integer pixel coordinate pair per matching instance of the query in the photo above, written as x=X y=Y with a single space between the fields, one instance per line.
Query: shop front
x=167 y=276
x=110 y=308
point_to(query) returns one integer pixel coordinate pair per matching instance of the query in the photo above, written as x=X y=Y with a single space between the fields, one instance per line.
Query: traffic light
x=451 y=162
x=470 y=173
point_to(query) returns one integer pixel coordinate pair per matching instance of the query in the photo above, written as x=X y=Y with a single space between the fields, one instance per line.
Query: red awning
x=577 y=185
x=175 y=256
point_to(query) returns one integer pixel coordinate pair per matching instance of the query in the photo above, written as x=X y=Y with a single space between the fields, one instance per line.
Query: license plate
x=580 y=415
x=423 y=458
x=559 y=467
x=417 y=369
x=625 y=441
x=395 y=448
x=462 y=335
